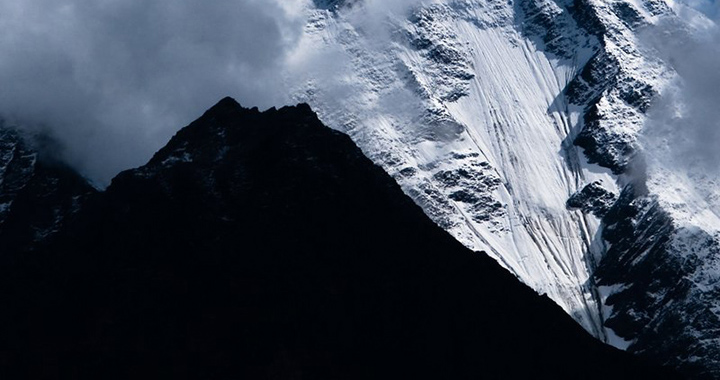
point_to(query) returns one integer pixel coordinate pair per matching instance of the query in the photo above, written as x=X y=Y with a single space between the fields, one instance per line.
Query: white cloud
x=113 y=79
x=684 y=123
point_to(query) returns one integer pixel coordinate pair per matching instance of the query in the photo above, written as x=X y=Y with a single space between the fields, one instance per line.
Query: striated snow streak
x=468 y=113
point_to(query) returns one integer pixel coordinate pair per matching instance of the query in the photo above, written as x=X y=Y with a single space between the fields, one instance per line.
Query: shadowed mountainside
x=265 y=245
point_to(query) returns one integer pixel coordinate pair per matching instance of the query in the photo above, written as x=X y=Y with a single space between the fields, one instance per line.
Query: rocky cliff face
x=648 y=276
x=265 y=245
x=658 y=275
x=37 y=193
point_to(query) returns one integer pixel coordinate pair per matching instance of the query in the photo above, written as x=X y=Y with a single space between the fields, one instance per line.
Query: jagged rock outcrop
x=593 y=198
x=657 y=279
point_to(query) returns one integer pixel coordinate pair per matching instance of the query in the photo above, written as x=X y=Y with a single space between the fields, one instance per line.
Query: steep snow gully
x=515 y=125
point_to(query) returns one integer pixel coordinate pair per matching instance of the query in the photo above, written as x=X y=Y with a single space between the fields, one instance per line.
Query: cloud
x=711 y=8
x=113 y=79
x=684 y=123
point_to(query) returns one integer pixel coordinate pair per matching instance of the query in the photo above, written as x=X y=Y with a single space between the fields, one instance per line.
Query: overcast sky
x=113 y=79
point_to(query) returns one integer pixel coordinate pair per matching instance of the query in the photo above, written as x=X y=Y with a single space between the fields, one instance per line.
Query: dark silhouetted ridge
x=263 y=245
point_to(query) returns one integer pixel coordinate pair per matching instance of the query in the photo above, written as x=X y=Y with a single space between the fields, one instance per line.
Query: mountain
x=265 y=245
x=37 y=193
x=467 y=108
x=517 y=127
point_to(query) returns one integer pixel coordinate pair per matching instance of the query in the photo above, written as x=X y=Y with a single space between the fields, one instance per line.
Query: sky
x=709 y=7
x=112 y=80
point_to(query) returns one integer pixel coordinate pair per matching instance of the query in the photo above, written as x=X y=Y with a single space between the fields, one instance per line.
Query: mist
x=709 y=7
x=683 y=129
x=112 y=80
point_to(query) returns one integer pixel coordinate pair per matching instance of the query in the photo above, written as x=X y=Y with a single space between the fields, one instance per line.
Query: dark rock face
x=17 y=162
x=605 y=147
x=264 y=245
x=551 y=25
x=602 y=75
x=472 y=186
x=593 y=198
x=36 y=194
x=662 y=310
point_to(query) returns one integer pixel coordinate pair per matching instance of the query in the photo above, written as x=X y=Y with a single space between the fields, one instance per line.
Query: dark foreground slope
x=266 y=246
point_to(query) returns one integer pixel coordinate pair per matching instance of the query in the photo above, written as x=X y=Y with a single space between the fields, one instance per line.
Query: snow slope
x=465 y=107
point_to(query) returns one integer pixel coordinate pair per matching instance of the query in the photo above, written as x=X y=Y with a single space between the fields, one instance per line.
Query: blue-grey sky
x=709 y=7
x=113 y=79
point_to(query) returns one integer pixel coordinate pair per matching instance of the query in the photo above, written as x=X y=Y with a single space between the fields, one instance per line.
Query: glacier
x=518 y=127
